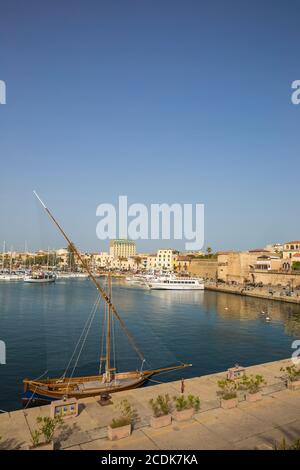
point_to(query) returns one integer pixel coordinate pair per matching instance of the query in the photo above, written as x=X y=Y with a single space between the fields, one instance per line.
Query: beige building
x=290 y=249
x=141 y=260
x=268 y=263
x=182 y=263
x=103 y=260
x=151 y=262
x=234 y=266
x=122 y=248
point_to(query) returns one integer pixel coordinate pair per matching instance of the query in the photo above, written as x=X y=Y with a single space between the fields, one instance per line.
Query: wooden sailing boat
x=43 y=391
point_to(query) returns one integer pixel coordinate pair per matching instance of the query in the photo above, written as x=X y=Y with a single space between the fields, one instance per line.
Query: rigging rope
x=30 y=399
x=113 y=335
x=96 y=303
x=84 y=340
x=102 y=339
x=114 y=342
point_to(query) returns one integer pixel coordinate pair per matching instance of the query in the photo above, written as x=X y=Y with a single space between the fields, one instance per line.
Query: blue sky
x=163 y=101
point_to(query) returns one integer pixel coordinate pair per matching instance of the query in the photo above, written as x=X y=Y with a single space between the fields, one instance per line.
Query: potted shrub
x=161 y=408
x=122 y=426
x=47 y=429
x=283 y=445
x=228 y=393
x=252 y=384
x=293 y=377
x=185 y=407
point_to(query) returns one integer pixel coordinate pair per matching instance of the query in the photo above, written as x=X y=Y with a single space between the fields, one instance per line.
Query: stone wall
x=203 y=268
x=274 y=278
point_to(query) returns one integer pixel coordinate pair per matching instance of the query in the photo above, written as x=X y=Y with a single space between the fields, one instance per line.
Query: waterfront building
x=62 y=258
x=122 y=248
x=182 y=263
x=141 y=260
x=165 y=259
x=151 y=262
x=290 y=249
x=235 y=266
x=268 y=263
x=103 y=260
x=274 y=247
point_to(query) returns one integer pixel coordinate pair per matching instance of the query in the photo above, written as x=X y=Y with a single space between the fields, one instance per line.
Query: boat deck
x=98 y=384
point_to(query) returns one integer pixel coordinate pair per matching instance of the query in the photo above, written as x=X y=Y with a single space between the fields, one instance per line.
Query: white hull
x=9 y=277
x=38 y=281
x=173 y=283
x=158 y=286
x=72 y=276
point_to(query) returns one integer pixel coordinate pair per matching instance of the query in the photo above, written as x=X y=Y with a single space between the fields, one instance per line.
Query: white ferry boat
x=63 y=275
x=174 y=283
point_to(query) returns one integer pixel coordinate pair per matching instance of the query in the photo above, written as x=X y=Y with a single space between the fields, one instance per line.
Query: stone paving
x=249 y=426
x=258 y=292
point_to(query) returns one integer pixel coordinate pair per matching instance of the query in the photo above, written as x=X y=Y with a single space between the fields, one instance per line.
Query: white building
x=274 y=247
x=165 y=259
x=290 y=249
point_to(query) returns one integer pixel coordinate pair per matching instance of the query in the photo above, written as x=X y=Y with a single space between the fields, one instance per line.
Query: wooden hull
x=37 y=396
x=44 y=391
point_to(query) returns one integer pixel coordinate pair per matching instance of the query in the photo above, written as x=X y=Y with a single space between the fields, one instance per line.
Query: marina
x=211 y=330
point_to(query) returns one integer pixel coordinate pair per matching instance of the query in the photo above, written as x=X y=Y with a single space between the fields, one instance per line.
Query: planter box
x=295 y=385
x=253 y=397
x=228 y=404
x=161 y=421
x=184 y=415
x=65 y=408
x=118 y=433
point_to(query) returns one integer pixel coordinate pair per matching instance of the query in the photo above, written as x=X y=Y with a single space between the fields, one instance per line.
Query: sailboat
x=11 y=275
x=43 y=391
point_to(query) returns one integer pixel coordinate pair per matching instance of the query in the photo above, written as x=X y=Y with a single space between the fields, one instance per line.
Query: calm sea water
x=41 y=324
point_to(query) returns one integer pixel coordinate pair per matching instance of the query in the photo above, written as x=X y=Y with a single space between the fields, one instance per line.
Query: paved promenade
x=259 y=292
x=250 y=426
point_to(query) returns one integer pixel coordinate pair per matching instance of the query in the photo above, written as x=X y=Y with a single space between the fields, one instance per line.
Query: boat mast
x=10 y=261
x=107 y=366
x=3 y=256
x=94 y=280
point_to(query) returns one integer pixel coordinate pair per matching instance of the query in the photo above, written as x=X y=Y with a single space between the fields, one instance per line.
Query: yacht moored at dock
x=40 y=277
x=11 y=277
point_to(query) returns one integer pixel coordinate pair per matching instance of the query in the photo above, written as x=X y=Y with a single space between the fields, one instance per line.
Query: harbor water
x=41 y=325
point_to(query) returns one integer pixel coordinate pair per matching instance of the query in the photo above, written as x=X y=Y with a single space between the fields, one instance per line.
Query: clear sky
x=160 y=100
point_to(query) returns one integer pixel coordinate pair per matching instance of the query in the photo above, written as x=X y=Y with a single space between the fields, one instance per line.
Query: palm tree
x=209 y=251
x=138 y=261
